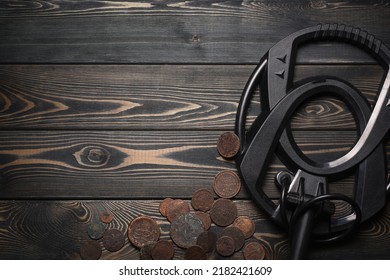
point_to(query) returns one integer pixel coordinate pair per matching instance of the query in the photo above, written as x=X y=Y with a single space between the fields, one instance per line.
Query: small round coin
x=195 y=252
x=90 y=250
x=202 y=200
x=163 y=250
x=204 y=218
x=225 y=246
x=246 y=225
x=223 y=212
x=106 y=217
x=143 y=229
x=185 y=229
x=113 y=240
x=164 y=206
x=207 y=240
x=228 y=144
x=253 y=251
x=96 y=230
x=177 y=208
x=227 y=184
x=236 y=234
x=146 y=250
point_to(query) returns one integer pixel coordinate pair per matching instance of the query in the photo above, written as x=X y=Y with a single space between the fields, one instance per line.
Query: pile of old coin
x=191 y=229
x=112 y=239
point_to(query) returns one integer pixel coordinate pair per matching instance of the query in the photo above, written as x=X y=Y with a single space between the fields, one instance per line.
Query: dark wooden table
x=114 y=105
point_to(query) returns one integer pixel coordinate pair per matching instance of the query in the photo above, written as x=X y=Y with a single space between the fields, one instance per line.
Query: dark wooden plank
x=163 y=97
x=129 y=164
x=173 y=31
x=55 y=229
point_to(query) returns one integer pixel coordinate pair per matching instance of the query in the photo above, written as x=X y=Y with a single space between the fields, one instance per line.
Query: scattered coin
x=204 y=218
x=246 y=225
x=164 y=205
x=225 y=246
x=146 y=250
x=143 y=229
x=90 y=250
x=223 y=212
x=236 y=234
x=96 y=230
x=177 y=208
x=162 y=250
x=202 y=200
x=207 y=240
x=228 y=144
x=254 y=251
x=185 y=229
x=113 y=240
x=106 y=217
x=226 y=184
x=195 y=252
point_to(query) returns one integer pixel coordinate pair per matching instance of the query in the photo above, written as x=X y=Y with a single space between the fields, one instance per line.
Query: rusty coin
x=143 y=229
x=162 y=250
x=226 y=184
x=236 y=234
x=185 y=229
x=207 y=240
x=146 y=250
x=228 y=144
x=164 y=206
x=225 y=246
x=90 y=250
x=204 y=218
x=202 y=200
x=195 y=252
x=253 y=251
x=246 y=225
x=96 y=230
x=223 y=212
x=113 y=240
x=106 y=217
x=177 y=208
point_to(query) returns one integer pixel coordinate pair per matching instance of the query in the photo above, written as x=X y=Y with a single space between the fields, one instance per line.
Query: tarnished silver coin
x=185 y=230
x=96 y=230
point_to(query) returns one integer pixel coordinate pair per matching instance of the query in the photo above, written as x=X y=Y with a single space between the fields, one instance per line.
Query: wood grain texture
x=174 y=31
x=55 y=229
x=157 y=97
x=115 y=164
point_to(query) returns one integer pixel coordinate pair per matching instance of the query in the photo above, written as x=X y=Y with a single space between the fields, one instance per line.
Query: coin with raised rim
x=227 y=184
x=177 y=208
x=225 y=246
x=253 y=251
x=164 y=205
x=246 y=225
x=236 y=234
x=143 y=229
x=228 y=144
x=185 y=229
x=90 y=250
x=223 y=212
x=113 y=240
x=202 y=200
x=162 y=250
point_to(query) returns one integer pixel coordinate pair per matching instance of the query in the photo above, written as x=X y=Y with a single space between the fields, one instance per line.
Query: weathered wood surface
x=55 y=229
x=174 y=31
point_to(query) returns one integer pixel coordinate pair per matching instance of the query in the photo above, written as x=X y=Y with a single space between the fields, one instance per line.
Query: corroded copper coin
x=146 y=250
x=253 y=251
x=236 y=234
x=164 y=205
x=228 y=144
x=204 y=218
x=106 y=217
x=223 y=212
x=113 y=240
x=225 y=246
x=202 y=200
x=90 y=250
x=207 y=240
x=177 y=208
x=163 y=250
x=185 y=229
x=143 y=229
x=195 y=252
x=246 y=225
x=96 y=230
x=227 y=184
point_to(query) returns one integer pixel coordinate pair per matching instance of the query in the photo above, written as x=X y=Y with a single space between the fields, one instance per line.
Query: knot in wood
x=93 y=156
